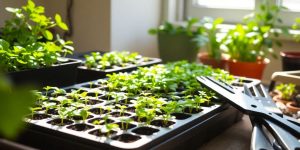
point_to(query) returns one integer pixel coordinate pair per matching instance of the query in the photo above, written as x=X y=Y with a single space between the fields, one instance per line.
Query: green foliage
x=27 y=42
x=213 y=43
x=296 y=26
x=188 y=28
x=64 y=112
x=110 y=59
x=14 y=105
x=244 y=44
x=255 y=41
x=287 y=90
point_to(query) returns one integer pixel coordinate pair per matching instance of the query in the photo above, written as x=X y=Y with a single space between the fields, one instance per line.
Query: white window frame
x=233 y=16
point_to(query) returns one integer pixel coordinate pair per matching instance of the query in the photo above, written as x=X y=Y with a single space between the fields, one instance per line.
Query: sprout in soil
x=101 y=110
x=110 y=127
x=40 y=97
x=190 y=104
x=48 y=105
x=126 y=121
x=84 y=113
x=168 y=109
x=33 y=110
x=47 y=88
x=57 y=91
x=65 y=112
x=122 y=109
x=91 y=84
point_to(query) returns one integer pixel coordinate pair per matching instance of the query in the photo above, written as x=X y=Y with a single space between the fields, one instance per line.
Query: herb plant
x=254 y=41
x=287 y=90
x=198 y=35
x=213 y=44
x=26 y=41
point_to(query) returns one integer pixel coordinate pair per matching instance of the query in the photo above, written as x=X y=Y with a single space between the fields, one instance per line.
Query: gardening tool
x=271 y=130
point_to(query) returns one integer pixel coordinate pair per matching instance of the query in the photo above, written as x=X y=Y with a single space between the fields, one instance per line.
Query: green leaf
x=21 y=61
x=58 y=18
x=47 y=34
x=13 y=106
x=152 y=31
x=60 y=23
x=31 y=4
x=63 y=26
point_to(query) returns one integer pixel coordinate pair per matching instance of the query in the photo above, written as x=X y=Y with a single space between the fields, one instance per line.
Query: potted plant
x=179 y=42
x=288 y=95
x=249 y=46
x=286 y=92
x=97 y=65
x=31 y=53
x=213 y=55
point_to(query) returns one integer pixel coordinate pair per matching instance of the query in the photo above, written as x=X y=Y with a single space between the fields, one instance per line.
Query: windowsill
x=224 y=28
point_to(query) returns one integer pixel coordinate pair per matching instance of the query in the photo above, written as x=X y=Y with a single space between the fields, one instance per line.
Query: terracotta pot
x=277 y=98
x=248 y=69
x=206 y=60
x=292 y=108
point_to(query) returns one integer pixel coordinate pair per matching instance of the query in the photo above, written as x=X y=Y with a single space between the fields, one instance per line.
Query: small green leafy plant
x=26 y=41
x=287 y=90
x=213 y=44
x=254 y=41
x=112 y=59
x=189 y=29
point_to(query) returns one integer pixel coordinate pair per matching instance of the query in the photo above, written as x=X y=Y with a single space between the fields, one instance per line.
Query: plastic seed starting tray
x=89 y=74
x=189 y=127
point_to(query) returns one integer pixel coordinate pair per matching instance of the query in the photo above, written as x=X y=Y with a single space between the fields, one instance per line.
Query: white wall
x=130 y=21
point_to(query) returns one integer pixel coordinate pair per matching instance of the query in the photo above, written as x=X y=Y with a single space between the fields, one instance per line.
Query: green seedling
x=122 y=109
x=168 y=109
x=48 y=105
x=190 y=104
x=57 y=91
x=125 y=122
x=84 y=113
x=64 y=113
x=83 y=95
x=33 y=110
x=66 y=102
x=47 y=88
x=40 y=97
x=110 y=127
x=91 y=84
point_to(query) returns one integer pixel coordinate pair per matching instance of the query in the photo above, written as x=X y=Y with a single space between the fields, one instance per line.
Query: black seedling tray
x=185 y=130
x=63 y=74
x=85 y=74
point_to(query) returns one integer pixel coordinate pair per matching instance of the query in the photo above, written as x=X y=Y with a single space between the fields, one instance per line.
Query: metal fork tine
x=266 y=94
x=256 y=92
x=247 y=91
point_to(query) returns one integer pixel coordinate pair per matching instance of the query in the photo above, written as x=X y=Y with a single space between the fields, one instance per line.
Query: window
x=292 y=5
x=233 y=11
x=228 y=4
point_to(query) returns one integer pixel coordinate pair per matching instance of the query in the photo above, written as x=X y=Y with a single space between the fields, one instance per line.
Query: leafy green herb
x=26 y=41
x=287 y=90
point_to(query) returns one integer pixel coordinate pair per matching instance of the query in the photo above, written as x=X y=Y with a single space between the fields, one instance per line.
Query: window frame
x=233 y=16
